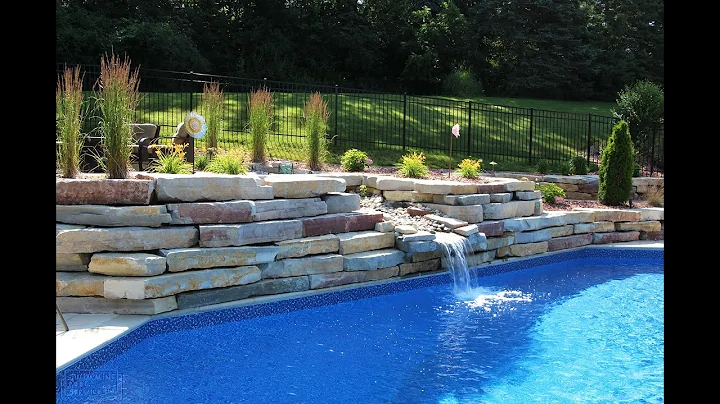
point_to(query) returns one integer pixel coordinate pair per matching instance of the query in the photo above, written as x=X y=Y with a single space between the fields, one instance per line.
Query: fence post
x=589 y=136
x=336 y=116
x=404 y=116
x=530 y=142
x=469 y=125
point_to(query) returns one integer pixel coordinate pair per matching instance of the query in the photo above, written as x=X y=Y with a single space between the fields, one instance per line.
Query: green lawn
x=492 y=128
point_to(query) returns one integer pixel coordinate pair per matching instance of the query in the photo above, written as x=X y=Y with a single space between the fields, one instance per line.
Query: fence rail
x=383 y=123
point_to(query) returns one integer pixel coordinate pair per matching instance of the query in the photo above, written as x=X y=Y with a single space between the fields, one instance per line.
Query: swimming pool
x=579 y=326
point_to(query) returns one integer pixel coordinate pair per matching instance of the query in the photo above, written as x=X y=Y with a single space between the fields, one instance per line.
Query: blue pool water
x=588 y=328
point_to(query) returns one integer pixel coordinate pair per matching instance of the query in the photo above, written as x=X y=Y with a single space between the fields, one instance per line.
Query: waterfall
x=457 y=249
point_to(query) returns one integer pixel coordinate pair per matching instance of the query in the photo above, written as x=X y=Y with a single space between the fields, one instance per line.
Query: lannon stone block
x=462 y=200
x=303 y=185
x=494 y=243
x=112 y=216
x=638 y=226
x=491 y=228
x=422 y=266
x=90 y=240
x=210 y=187
x=101 y=305
x=127 y=264
x=613 y=215
x=103 y=191
x=502 y=197
x=351 y=179
x=373 y=260
x=368 y=240
x=249 y=233
x=182 y=259
x=320 y=281
x=445 y=187
x=300 y=247
x=289 y=209
x=407 y=196
x=563 y=243
x=548 y=219
x=512 y=209
x=469 y=214
x=72 y=262
x=314 y=264
x=528 y=195
x=615 y=237
x=480 y=258
x=341 y=202
x=211 y=212
x=524 y=250
x=394 y=184
x=200 y=298
x=595 y=227
x=79 y=284
x=173 y=283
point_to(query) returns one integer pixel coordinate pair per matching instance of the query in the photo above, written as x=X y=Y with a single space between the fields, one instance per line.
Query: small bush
x=564 y=168
x=354 y=160
x=470 y=168
x=578 y=165
x=462 y=83
x=593 y=167
x=201 y=161
x=260 y=121
x=364 y=191
x=413 y=165
x=228 y=163
x=616 y=167
x=316 y=142
x=550 y=192
x=542 y=167
x=656 y=197
x=170 y=160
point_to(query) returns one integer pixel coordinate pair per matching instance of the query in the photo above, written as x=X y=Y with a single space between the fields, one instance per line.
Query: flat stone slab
x=421 y=235
x=445 y=187
x=182 y=259
x=209 y=187
x=79 y=284
x=422 y=266
x=103 y=191
x=546 y=234
x=373 y=260
x=72 y=262
x=335 y=223
x=344 y=278
x=528 y=195
x=524 y=250
x=648 y=226
x=612 y=215
x=406 y=228
x=615 y=237
x=368 y=240
x=127 y=264
x=341 y=202
x=351 y=179
x=385 y=227
x=172 y=283
x=249 y=233
x=101 y=305
x=289 y=209
x=549 y=219
x=463 y=200
x=491 y=228
x=647 y=214
x=211 y=212
x=314 y=264
x=502 y=197
x=574 y=241
x=512 y=209
x=466 y=230
x=449 y=222
x=300 y=247
x=571 y=179
x=263 y=287
x=468 y=214
x=90 y=240
x=303 y=185
x=112 y=216
x=594 y=227
x=394 y=184
x=407 y=196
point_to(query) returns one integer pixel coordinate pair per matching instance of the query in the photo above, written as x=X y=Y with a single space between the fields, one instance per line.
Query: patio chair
x=145 y=134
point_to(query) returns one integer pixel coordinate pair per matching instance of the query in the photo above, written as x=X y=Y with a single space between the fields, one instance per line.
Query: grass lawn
x=386 y=126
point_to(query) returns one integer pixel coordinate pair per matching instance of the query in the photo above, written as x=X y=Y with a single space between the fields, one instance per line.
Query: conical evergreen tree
x=616 y=167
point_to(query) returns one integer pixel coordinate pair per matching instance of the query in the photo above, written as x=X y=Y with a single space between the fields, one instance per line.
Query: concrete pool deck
x=89 y=332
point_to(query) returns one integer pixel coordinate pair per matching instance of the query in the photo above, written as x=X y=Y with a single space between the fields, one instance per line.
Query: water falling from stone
x=457 y=249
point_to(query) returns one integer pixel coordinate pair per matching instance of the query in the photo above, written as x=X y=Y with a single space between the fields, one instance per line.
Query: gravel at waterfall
x=396 y=212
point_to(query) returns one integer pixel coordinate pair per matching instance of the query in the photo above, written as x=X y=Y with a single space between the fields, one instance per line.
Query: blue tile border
x=162 y=325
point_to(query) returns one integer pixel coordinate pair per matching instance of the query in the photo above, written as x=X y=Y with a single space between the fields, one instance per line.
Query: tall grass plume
x=118 y=95
x=260 y=120
x=213 y=103
x=316 y=143
x=70 y=114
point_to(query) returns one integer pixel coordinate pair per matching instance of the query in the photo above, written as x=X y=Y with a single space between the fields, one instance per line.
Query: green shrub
x=260 y=120
x=413 y=165
x=641 y=105
x=117 y=97
x=542 y=167
x=364 y=191
x=213 y=103
x=578 y=165
x=69 y=110
x=228 y=163
x=616 y=167
x=593 y=167
x=354 y=160
x=550 y=192
x=170 y=160
x=564 y=168
x=462 y=83
x=316 y=143
x=470 y=168
x=201 y=161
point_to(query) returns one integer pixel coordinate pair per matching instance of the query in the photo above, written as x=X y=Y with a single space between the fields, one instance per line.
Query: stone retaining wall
x=163 y=242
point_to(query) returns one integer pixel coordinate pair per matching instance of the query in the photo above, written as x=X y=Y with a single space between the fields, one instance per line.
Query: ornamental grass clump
x=213 y=104
x=413 y=165
x=171 y=161
x=69 y=110
x=316 y=143
x=117 y=96
x=260 y=120
x=231 y=162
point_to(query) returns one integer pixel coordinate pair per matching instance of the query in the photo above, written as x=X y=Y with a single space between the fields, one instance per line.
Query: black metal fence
x=381 y=123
